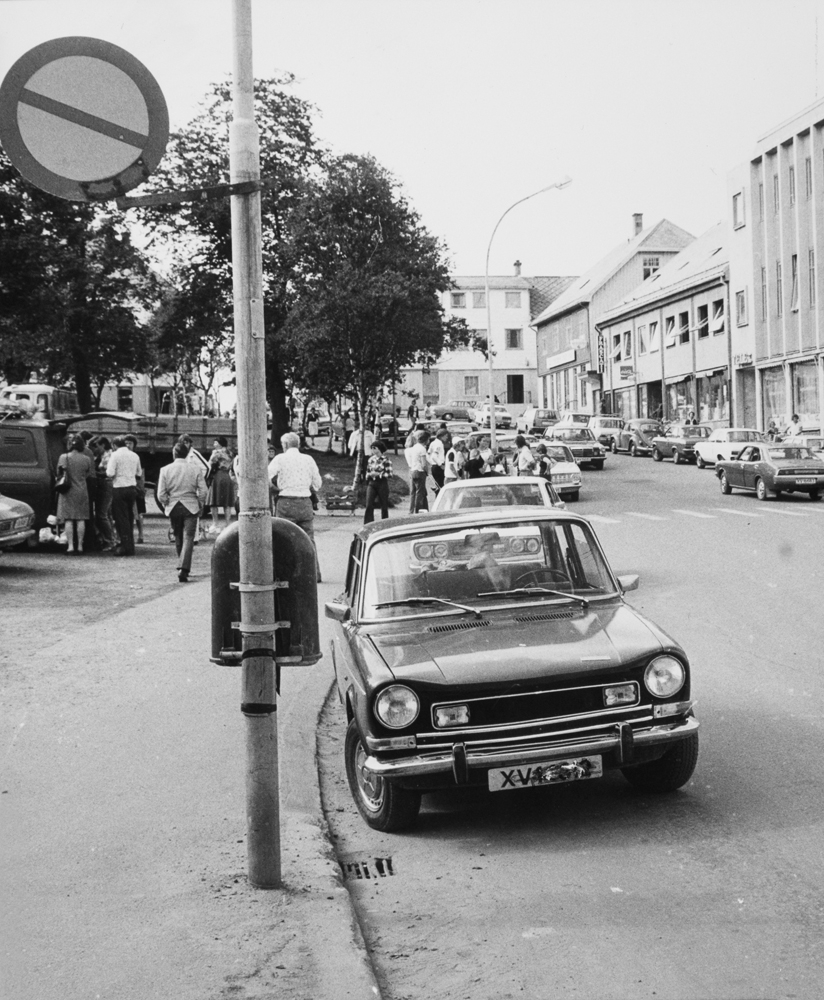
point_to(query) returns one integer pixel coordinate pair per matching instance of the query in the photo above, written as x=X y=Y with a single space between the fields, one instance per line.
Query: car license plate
x=805 y=482
x=553 y=772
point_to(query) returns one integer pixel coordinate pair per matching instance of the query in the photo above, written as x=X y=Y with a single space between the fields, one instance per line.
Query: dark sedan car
x=495 y=648
x=678 y=442
x=636 y=436
x=773 y=468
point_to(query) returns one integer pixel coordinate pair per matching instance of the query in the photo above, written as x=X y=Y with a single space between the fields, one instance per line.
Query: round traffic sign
x=82 y=119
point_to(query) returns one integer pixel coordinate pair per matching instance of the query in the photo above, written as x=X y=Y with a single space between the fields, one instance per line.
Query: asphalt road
x=595 y=890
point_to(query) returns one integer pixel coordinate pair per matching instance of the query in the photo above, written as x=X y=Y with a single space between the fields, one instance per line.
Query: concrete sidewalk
x=123 y=825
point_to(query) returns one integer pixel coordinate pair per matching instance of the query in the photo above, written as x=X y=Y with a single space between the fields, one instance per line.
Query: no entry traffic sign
x=82 y=119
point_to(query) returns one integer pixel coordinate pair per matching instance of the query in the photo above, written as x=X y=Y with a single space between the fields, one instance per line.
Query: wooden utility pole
x=257 y=627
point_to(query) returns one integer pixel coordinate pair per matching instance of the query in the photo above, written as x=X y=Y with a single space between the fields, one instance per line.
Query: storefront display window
x=679 y=400
x=713 y=403
x=805 y=393
x=773 y=396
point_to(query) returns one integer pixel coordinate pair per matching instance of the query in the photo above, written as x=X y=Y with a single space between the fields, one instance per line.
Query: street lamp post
x=492 y=439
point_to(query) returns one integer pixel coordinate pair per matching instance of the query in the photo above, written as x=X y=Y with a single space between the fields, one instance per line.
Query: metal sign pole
x=257 y=625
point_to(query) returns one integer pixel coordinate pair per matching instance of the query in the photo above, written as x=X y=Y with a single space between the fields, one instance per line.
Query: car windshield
x=649 y=428
x=793 y=454
x=490 y=495
x=458 y=564
x=575 y=434
x=559 y=453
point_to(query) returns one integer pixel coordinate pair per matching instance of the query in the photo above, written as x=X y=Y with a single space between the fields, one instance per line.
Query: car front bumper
x=619 y=741
x=14 y=538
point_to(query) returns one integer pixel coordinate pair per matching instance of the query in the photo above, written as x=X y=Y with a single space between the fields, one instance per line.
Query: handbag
x=62 y=483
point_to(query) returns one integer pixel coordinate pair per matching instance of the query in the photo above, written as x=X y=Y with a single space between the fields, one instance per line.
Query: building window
x=761 y=201
x=654 y=345
x=669 y=331
x=811 y=265
x=779 y=289
x=513 y=300
x=738 y=210
x=459 y=300
x=642 y=339
x=703 y=322
x=616 y=347
x=684 y=328
x=792 y=185
x=479 y=300
x=514 y=388
x=125 y=398
x=718 y=317
x=741 y=308
x=627 y=351
x=794 y=291
x=514 y=341
x=650 y=265
x=775 y=194
x=471 y=385
x=763 y=293
x=808 y=176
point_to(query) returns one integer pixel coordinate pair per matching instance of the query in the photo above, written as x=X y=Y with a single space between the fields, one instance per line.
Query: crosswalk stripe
x=646 y=517
x=693 y=513
x=739 y=513
x=599 y=519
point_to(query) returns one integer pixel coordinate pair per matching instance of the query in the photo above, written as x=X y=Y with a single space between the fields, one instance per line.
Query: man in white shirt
x=436 y=456
x=295 y=476
x=124 y=469
x=354 y=448
x=793 y=427
x=181 y=492
x=418 y=468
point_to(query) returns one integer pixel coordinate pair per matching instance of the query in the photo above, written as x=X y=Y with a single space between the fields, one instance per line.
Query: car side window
x=755 y=455
x=744 y=454
x=353 y=570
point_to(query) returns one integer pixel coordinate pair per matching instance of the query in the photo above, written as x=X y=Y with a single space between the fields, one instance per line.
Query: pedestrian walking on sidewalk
x=125 y=470
x=181 y=492
x=295 y=476
x=378 y=471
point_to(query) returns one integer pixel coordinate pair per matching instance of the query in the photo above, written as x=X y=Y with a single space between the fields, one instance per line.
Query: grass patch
x=337 y=472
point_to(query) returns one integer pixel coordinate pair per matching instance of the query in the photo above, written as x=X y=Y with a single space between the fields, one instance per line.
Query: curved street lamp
x=562 y=183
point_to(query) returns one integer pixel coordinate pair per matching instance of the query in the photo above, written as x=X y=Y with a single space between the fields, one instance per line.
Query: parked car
x=575 y=418
x=503 y=418
x=16 y=522
x=815 y=442
x=535 y=421
x=723 y=444
x=580 y=441
x=605 y=429
x=565 y=473
x=497 y=491
x=773 y=468
x=29 y=450
x=494 y=648
x=460 y=428
x=678 y=442
x=636 y=436
x=457 y=409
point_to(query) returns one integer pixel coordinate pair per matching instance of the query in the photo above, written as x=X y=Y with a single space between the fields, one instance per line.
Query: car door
x=749 y=467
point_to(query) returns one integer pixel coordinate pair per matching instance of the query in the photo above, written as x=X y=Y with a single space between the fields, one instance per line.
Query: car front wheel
x=613 y=446
x=669 y=772
x=676 y=456
x=700 y=462
x=761 y=491
x=633 y=451
x=383 y=804
x=657 y=456
x=726 y=489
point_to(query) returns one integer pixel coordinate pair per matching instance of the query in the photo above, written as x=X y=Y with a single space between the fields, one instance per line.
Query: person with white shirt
x=436 y=456
x=416 y=459
x=295 y=476
x=793 y=427
x=124 y=469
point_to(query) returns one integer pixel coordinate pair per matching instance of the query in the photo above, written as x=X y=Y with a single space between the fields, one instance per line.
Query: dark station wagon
x=494 y=648
x=678 y=442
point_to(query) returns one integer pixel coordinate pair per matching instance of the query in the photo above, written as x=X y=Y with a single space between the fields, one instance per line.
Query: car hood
x=598 y=638
x=564 y=468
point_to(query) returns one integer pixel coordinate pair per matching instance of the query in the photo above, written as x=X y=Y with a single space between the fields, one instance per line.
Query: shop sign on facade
x=601 y=352
x=742 y=359
x=626 y=372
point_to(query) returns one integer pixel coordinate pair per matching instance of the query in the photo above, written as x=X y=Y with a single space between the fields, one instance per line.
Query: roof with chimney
x=543 y=289
x=663 y=237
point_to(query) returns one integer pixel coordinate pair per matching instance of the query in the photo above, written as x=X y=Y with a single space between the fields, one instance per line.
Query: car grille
x=584 y=452
x=538 y=705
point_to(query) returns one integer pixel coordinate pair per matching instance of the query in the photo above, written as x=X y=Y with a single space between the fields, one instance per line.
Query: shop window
x=703 y=322
x=805 y=392
x=459 y=300
x=773 y=395
x=718 y=317
x=654 y=344
x=479 y=300
x=741 y=308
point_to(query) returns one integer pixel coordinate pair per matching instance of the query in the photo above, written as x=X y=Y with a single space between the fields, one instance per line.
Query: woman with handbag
x=74 y=468
x=221 y=487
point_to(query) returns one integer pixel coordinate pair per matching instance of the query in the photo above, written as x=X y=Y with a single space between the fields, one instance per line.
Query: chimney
x=638 y=222
x=517 y=267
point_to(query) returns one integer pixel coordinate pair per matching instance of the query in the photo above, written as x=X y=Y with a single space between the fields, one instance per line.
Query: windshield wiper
x=430 y=600
x=529 y=591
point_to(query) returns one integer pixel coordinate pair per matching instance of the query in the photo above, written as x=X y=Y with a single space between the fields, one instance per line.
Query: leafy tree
x=198 y=234
x=368 y=285
x=73 y=289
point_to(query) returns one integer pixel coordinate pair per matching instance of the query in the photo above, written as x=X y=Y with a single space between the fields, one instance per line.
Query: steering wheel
x=543 y=575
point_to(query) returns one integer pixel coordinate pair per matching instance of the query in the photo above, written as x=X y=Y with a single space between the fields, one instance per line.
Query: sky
x=475 y=104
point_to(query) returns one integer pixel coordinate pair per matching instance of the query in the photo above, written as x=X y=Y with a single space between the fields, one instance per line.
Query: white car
x=571 y=418
x=724 y=444
x=565 y=472
x=497 y=491
x=503 y=418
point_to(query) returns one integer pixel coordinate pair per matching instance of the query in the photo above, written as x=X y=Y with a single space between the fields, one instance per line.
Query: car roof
x=469 y=518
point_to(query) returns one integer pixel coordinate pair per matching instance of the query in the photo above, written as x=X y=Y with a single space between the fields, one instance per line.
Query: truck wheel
x=383 y=804
x=669 y=772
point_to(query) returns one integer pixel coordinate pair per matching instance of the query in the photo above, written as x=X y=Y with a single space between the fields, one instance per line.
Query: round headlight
x=664 y=676
x=397 y=706
x=424 y=551
x=518 y=545
x=441 y=550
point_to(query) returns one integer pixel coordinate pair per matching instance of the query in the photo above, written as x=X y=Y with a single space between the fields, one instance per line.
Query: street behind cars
x=772 y=469
x=495 y=648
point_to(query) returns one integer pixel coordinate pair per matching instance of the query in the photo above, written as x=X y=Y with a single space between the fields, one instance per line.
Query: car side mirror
x=338 y=611
x=627 y=581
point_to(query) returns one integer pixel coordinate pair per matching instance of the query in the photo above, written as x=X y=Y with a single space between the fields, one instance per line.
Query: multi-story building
x=569 y=368
x=776 y=241
x=666 y=345
x=514 y=301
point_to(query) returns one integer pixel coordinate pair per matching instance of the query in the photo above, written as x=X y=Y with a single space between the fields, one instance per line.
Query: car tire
x=668 y=773
x=676 y=456
x=613 y=446
x=447 y=416
x=633 y=451
x=726 y=489
x=700 y=462
x=657 y=456
x=761 y=491
x=383 y=804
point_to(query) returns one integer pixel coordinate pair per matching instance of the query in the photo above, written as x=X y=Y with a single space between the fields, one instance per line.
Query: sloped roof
x=705 y=258
x=543 y=289
x=546 y=290
x=664 y=236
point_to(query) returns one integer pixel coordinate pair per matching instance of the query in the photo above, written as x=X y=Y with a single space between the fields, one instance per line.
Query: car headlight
x=397 y=706
x=664 y=676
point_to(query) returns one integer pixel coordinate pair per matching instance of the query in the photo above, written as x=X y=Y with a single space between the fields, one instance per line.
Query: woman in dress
x=222 y=489
x=73 y=505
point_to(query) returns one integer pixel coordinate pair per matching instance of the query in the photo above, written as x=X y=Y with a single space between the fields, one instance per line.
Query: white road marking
x=788 y=513
x=646 y=517
x=600 y=519
x=693 y=513
x=739 y=513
